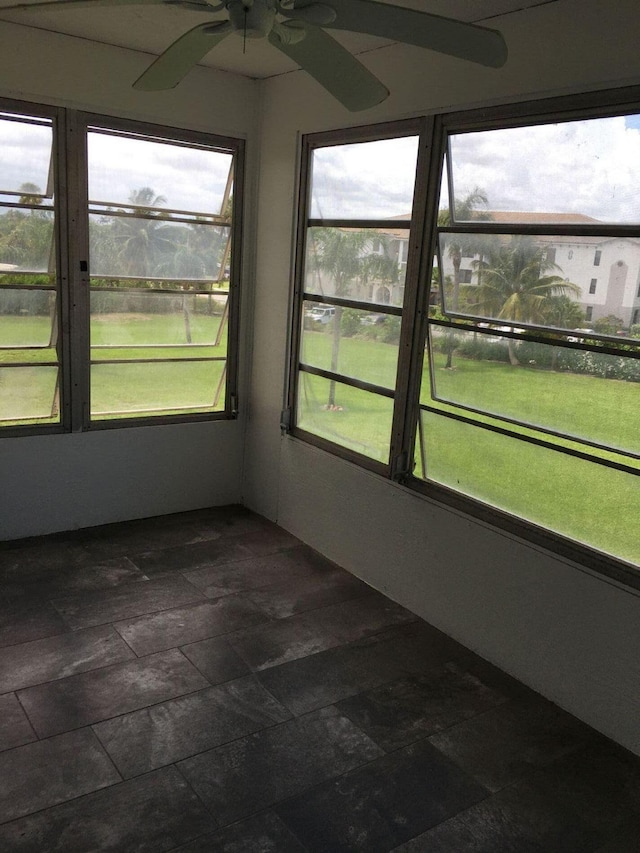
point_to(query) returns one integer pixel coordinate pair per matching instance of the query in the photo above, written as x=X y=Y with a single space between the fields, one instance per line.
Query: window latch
x=285 y=420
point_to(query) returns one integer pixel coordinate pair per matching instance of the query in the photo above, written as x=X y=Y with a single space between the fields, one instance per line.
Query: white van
x=321 y=314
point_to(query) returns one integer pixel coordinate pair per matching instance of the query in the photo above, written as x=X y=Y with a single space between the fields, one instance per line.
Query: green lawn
x=27 y=393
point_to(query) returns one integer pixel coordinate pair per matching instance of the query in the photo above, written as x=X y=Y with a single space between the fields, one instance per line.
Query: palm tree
x=340 y=253
x=141 y=239
x=518 y=285
x=464 y=245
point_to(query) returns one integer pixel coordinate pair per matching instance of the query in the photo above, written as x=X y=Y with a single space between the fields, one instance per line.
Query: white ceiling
x=152 y=29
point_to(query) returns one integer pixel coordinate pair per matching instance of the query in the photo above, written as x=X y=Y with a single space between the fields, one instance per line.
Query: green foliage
x=482 y=349
x=349 y=322
x=608 y=325
x=634 y=331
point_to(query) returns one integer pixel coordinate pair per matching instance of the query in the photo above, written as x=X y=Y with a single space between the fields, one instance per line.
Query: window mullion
x=77 y=252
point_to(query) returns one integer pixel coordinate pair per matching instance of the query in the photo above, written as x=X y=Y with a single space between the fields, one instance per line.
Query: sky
x=589 y=167
x=190 y=179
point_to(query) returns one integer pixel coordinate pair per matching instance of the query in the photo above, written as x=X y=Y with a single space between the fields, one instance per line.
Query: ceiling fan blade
x=180 y=57
x=445 y=35
x=58 y=5
x=324 y=59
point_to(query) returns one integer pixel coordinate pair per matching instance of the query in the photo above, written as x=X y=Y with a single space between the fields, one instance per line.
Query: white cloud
x=589 y=167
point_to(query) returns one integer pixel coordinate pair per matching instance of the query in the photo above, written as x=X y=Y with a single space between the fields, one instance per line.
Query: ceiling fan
x=297 y=29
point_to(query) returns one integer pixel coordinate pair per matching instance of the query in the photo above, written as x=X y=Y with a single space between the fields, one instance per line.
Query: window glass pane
x=571 y=172
x=156 y=247
x=144 y=171
x=359 y=344
x=542 y=280
x=160 y=261
x=163 y=321
x=582 y=393
x=156 y=388
x=346 y=416
x=26 y=157
x=587 y=502
x=29 y=395
x=26 y=240
x=364 y=264
x=27 y=318
x=364 y=180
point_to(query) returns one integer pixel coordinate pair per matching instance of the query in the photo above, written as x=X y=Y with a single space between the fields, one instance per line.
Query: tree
x=340 y=253
x=461 y=245
x=517 y=285
x=142 y=239
x=561 y=311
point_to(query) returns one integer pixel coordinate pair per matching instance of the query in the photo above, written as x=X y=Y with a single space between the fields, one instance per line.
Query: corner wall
x=570 y=635
x=61 y=482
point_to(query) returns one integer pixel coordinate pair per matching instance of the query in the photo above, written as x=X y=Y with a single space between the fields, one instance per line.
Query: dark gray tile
x=377 y=807
x=269 y=539
x=250 y=774
x=243 y=574
x=134 y=537
x=363 y=617
x=216 y=660
x=317 y=631
x=134 y=599
x=210 y=552
x=38 y=775
x=318 y=680
x=20 y=623
x=600 y=783
x=41 y=554
x=518 y=819
x=94 y=696
x=60 y=656
x=289 y=597
x=625 y=839
x=409 y=709
x=264 y=833
x=14 y=726
x=183 y=625
x=507 y=742
x=147 y=739
x=48 y=583
x=321 y=679
x=154 y=813
x=282 y=641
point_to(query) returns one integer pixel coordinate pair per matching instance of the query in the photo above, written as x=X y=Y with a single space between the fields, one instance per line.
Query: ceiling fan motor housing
x=252 y=19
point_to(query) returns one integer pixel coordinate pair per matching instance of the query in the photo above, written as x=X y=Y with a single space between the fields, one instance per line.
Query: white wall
x=571 y=635
x=67 y=481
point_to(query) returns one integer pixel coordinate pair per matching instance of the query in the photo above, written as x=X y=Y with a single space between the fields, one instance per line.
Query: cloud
x=590 y=167
x=365 y=180
x=190 y=179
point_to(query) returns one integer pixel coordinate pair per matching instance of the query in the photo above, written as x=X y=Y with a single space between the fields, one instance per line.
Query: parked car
x=373 y=319
x=323 y=315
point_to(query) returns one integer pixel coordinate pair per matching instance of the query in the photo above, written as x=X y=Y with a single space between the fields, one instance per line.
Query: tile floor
x=204 y=682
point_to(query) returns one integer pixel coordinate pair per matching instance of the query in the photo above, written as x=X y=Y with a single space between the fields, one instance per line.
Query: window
x=353 y=264
x=497 y=398
x=31 y=378
x=124 y=312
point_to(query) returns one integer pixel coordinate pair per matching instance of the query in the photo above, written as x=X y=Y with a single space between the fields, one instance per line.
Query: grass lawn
x=26 y=393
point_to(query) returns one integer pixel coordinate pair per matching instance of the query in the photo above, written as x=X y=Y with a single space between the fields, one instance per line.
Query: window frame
x=433 y=146
x=70 y=176
x=397 y=461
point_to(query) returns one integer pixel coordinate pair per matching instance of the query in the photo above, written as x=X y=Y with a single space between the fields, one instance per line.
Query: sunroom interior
x=558 y=624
